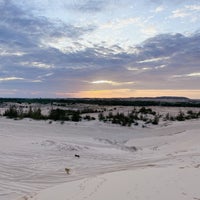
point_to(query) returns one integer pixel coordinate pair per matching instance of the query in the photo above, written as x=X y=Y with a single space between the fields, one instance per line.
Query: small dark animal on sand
x=77 y=156
x=67 y=170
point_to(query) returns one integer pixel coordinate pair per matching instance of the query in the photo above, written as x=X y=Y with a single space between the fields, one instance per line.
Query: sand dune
x=34 y=155
x=148 y=182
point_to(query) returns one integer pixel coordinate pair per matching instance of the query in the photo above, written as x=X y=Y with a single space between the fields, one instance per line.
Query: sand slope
x=34 y=154
x=144 y=183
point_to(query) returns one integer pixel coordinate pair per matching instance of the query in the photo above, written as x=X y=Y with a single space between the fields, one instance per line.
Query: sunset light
x=96 y=48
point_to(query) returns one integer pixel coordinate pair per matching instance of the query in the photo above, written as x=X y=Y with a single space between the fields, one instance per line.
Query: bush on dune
x=134 y=117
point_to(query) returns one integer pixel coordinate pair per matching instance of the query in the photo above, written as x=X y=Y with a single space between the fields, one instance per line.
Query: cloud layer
x=42 y=56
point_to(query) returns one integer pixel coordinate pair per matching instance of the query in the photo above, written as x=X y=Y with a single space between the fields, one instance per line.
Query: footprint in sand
x=83 y=189
x=97 y=187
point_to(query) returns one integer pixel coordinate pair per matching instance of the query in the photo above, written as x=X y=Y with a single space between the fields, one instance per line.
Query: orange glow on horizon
x=125 y=93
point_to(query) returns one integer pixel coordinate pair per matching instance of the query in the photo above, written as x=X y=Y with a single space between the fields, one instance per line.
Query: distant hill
x=162 y=99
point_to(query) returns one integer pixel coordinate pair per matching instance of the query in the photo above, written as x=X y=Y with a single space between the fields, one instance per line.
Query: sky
x=99 y=48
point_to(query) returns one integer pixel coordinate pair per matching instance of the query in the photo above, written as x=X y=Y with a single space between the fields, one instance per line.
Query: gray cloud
x=160 y=62
x=94 y=6
x=22 y=29
x=176 y=54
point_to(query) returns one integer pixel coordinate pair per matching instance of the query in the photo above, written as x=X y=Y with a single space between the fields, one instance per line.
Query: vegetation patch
x=140 y=115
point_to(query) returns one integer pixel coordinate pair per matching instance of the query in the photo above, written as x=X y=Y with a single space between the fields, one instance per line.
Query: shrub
x=180 y=116
x=88 y=117
x=12 y=112
x=101 y=117
x=155 y=120
x=57 y=114
x=76 y=117
x=36 y=114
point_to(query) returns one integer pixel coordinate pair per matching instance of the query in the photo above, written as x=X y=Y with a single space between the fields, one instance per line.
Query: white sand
x=141 y=184
x=34 y=154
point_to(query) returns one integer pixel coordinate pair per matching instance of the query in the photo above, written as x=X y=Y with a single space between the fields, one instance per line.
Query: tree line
x=36 y=113
x=103 y=102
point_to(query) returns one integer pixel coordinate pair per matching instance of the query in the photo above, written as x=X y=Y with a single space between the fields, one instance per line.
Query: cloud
x=159 y=9
x=160 y=67
x=7 y=52
x=157 y=59
x=111 y=82
x=91 y=5
x=24 y=48
x=24 y=31
x=197 y=74
x=190 y=11
x=193 y=7
x=10 y=78
x=161 y=57
x=36 y=81
x=120 y=23
x=37 y=64
x=46 y=75
x=138 y=69
x=164 y=45
x=137 y=22
x=58 y=56
x=153 y=60
x=149 y=30
x=179 y=14
x=95 y=6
